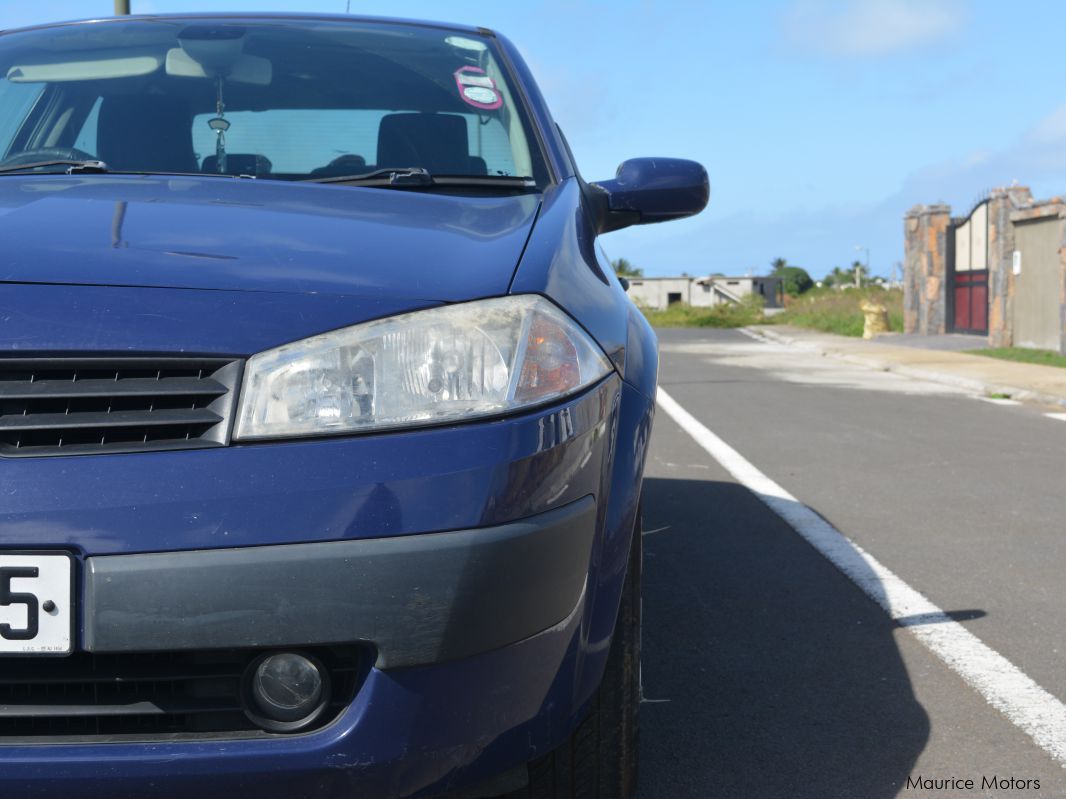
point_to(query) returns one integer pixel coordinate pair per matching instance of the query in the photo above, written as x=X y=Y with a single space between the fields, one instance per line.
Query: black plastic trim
x=187 y=695
x=417 y=598
x=210 y=425
x=116 y=419
x=133 y=387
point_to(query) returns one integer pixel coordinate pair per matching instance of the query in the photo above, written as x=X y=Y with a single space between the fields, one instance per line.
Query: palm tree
x=624 y=268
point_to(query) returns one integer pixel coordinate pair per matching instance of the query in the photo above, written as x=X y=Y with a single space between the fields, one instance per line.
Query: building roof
x=706 y=278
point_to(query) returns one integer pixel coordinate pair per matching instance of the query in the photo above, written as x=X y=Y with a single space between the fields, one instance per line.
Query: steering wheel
x=48 y=154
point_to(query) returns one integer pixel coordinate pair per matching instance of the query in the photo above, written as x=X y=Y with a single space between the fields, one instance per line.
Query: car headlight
x=439 y=365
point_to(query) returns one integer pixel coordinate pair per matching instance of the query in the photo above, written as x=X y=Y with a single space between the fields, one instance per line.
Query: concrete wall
x=1062 y=296
x=719 y=290
x=655 y=292
x=703 y=292
x=1037 y=288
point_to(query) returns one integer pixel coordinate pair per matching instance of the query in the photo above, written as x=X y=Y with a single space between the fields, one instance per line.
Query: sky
x=820 y=122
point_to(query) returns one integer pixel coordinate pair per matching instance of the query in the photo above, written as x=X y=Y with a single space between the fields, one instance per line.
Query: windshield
x=282 y=99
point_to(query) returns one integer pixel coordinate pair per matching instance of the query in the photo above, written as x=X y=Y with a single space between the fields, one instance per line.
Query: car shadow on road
x=766 y=672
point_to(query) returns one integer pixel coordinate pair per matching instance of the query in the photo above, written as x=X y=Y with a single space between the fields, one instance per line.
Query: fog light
x=285 y=691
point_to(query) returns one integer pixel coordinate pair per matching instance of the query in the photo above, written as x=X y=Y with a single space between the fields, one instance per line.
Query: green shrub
x=794 y=280
x=833 y=311
x=680 y=314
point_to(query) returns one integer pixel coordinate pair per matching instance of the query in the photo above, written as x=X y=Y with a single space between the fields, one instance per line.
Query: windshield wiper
x=407 y=176
x=418 y=176
x=72 y=167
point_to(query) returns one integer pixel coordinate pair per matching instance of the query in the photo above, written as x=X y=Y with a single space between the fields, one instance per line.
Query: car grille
x=147 y=696
x=80 y=406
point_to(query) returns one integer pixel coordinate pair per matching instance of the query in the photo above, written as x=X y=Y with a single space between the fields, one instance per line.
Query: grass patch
x=683 y=315
x=1023 y=355
x=838 y=312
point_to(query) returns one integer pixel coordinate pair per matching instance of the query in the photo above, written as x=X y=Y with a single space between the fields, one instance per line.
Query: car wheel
x=599 y=761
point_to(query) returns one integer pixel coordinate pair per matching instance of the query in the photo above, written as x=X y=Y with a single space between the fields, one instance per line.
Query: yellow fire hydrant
x=876 y=319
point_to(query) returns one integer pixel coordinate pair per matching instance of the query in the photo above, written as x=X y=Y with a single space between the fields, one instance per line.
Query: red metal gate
x=970 y=295
x=968 y=272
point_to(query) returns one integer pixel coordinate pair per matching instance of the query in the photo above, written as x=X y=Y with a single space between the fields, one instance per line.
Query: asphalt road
x=767 y=672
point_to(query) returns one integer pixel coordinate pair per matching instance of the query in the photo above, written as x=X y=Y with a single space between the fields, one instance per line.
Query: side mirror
x=646 y=190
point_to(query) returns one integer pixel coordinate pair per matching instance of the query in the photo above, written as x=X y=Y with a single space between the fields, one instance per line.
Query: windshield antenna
x=220 y=125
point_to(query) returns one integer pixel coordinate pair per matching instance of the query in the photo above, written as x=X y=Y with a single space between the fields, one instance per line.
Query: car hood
x=264 y=236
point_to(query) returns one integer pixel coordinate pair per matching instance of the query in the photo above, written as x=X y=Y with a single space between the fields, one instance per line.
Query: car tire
x=599 y=760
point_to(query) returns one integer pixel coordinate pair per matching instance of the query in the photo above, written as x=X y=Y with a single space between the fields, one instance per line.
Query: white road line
x=751 y=334
x=1000 y=682
x=1060 y=416
x=656 y=530
x=1002 y=401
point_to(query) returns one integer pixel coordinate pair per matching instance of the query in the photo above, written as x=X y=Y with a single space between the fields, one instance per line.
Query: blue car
x=323 y=417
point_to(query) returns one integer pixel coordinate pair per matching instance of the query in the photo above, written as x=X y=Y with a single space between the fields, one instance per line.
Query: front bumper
x=416 y=599
x=419 y=731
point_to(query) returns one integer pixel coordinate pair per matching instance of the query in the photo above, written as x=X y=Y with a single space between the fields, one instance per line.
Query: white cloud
x=1051 y=130
x=870 y=27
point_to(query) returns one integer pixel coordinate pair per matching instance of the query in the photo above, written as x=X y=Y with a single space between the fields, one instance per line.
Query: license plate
x=36 y=603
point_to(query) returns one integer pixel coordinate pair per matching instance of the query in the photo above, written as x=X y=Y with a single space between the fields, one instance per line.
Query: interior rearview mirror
x=248 y=69
x=647 y=190
x=217 y=51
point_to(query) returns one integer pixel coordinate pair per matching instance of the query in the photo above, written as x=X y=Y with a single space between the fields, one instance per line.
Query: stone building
x=999 y=272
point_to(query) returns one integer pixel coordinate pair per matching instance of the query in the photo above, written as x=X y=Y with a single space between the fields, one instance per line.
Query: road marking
x=1001 y=401
x=656 y=530
x=1000 y=682
x=687 y=465
x=1060 y=416
x=752 y=334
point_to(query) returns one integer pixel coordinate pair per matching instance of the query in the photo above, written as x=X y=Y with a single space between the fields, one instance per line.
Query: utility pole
x=858 y=272
x=122 y=7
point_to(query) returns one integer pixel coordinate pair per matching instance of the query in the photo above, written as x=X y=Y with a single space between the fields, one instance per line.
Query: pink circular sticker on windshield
x=477 y=89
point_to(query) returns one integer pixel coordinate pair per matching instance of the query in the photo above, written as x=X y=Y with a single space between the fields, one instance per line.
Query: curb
x=944 y=378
